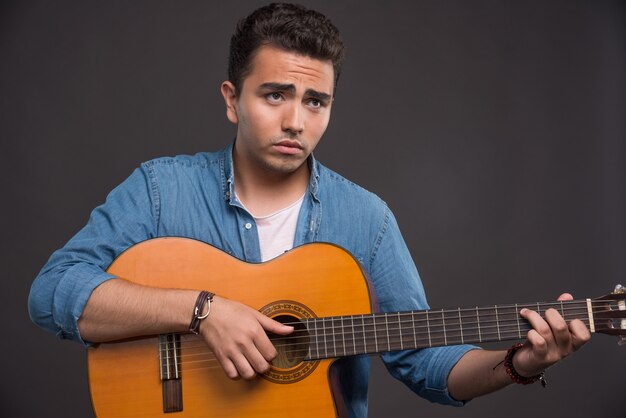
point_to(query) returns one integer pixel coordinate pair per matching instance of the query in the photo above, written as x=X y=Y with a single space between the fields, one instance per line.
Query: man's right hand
x=237 y=336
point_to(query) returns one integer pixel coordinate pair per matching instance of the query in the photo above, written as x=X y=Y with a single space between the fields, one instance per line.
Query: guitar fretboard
x=374 y=333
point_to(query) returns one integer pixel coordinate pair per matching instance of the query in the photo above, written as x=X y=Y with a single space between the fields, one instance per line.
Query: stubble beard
x=282 y=164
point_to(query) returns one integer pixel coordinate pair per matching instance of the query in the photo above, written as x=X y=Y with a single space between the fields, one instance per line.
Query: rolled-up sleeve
x=61 y=290
x=399 y=288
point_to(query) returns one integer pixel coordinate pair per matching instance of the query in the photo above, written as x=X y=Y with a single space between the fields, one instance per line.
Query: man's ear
x=230 y=98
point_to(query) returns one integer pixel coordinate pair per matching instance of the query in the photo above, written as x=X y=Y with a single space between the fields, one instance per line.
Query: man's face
x=282 y=110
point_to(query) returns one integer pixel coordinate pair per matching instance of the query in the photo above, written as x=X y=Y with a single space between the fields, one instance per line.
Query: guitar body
x=315 y=280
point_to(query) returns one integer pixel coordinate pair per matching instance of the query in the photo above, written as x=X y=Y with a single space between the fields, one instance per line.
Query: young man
x=254 y=200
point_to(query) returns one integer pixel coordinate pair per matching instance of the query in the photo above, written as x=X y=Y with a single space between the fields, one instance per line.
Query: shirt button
x=248 y=225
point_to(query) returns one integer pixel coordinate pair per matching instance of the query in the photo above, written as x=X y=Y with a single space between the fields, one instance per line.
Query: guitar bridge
x=169 y=356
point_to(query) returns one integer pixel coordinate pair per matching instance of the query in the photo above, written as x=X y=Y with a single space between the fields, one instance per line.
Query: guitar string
x=339 y=351
x=483 y=325
x=365 y=333
x=207 y=360
x=436 y=342
x=363 y=339
x=453 y=332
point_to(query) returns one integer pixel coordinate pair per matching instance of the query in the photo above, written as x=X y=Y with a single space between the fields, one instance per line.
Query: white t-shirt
x=277 y=231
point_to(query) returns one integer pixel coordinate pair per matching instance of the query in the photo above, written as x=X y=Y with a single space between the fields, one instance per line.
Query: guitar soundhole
x=292 y=348
x=291 y=364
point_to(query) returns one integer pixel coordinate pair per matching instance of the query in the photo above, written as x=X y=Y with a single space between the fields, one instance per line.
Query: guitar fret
x=421 y=331
x=497 y=322
x=324 y=333
x=332 y=330
x=387 y=330
x=488 y=315
x=519 y=331
x=375 y=333
x=357 y=332
x=364 y=339
x=480 y=337
x=316 y=334
x=369 y=329
x=413 y=324
x=395 y=331
x=445 y=334
x=343 y=337
x=353 y=334
x=400 y=328
x=509 y=318
x=430 y=342
x=461 y=327
x=333 y=333
x=437 y=328
x=452 y=322
x=384 y=332
x=339 y=335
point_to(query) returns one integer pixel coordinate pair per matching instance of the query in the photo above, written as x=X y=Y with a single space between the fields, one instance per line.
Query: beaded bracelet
x=204 y=298
x=514 y=375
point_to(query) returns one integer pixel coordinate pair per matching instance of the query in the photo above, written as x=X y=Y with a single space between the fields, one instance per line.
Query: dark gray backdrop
x=494 y=130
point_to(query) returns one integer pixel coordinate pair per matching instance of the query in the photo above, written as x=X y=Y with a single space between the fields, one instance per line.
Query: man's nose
x=293 y=119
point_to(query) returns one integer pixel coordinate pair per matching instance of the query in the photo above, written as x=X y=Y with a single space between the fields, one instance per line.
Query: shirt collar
x=228 y=174
x=314 y=180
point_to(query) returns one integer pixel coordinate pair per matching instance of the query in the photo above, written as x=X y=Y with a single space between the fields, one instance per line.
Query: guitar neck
x=380 y=332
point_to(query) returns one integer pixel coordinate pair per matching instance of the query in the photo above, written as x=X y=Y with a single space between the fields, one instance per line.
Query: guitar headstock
x=609 y=313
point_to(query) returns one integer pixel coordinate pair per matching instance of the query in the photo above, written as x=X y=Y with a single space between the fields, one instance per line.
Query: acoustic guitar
x=318 y=288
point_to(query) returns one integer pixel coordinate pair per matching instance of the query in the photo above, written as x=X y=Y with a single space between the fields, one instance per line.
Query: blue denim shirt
x=193 y=196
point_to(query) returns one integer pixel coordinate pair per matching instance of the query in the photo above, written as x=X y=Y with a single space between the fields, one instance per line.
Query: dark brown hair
x=291 y=27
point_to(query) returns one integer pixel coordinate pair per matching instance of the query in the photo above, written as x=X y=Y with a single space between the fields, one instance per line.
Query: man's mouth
x=288 y=146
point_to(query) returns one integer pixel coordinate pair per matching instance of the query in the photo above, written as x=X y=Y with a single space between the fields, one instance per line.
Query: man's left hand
x=551 y=340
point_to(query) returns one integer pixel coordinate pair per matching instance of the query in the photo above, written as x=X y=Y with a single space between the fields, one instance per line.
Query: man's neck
x=264 y=192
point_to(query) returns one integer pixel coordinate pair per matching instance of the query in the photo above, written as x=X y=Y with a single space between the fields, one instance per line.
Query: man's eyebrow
x=277 y=86
x=325 y=97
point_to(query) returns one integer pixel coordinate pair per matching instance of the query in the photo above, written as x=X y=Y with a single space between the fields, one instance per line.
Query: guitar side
x=316 y=279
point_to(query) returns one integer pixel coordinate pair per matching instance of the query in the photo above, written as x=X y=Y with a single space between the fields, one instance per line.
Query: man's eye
x=274 y=97
x=315 y=103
